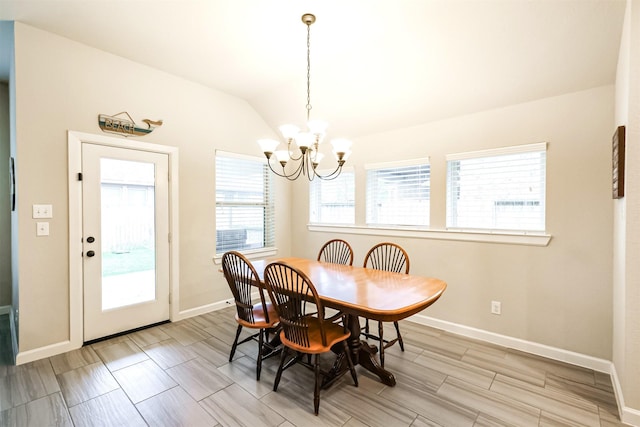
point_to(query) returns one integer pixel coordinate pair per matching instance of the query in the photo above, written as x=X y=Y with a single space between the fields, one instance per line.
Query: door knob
x=90 y=239
x=91 y=254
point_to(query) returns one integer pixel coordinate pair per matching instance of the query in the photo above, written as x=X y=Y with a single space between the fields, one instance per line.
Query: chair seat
x=259 y=317
x=304 y=328
x=334 y=333
x=242 y=277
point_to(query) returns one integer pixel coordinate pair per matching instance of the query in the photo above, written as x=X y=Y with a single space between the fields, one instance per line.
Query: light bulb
x=304 y=140
x=268 y=146
x=289 y=132
x=318 y=128
x=282 y=156
x=340 y=145
x=317 y=158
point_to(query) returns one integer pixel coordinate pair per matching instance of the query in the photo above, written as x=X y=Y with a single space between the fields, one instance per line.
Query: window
x=501 y=189
x=333 y=201
x=245 y=216
x=398 y=193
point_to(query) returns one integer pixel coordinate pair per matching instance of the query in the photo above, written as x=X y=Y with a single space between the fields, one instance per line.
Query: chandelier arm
x=330 y=176
x=292 y=176
x=275 y=171
x=310 y=170
x=295 y=159
x=297 y=174
x=299 y=170
x=291 y=157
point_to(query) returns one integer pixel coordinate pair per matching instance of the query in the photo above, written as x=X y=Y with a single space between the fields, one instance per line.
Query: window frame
x=395 y=165
x=320 y=182
x=269 y=247
x=496 y=153
x=529 y=238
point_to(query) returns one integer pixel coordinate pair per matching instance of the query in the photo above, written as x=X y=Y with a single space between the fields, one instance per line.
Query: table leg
x=274 y=346
x=362 y=354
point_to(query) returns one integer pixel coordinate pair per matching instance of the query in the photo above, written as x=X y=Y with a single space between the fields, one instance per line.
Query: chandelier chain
x=308 y=70
x=303 y=159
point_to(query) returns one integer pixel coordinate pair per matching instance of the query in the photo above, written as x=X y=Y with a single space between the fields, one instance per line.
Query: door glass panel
x=128 y=232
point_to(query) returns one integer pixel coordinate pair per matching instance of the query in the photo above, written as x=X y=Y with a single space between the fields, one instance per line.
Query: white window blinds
x=244 y=203
x=502 y=189
x=398 y=193
x=333 y=201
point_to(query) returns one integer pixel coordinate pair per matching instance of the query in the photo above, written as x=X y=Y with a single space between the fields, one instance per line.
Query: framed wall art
x=12 y=183
x=618 y=149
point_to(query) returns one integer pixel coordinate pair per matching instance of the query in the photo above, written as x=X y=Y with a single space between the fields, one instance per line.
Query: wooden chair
x=388 y=257
x=242 y=279
x=304 y=327
x=336 y=251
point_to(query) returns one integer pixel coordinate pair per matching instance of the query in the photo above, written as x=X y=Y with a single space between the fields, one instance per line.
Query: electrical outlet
x=42 y=228
x=496 y=307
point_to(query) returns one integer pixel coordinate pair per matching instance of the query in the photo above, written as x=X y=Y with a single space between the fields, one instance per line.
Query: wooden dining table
x=364 y=292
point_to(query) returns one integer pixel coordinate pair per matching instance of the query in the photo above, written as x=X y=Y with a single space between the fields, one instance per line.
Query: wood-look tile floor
x=178 y=374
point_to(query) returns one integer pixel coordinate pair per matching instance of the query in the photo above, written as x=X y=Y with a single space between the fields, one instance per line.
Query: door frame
x=76 y=307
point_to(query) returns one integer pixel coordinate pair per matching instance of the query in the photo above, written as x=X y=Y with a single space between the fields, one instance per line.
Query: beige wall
x=5 y=208
x=558 y=295
x=626 y=325
x=63 y=85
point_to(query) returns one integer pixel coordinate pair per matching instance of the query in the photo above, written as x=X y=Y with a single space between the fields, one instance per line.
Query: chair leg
x=316 y=388
x=283 y=356
x=399 y=336
x=260 y=350
x=380 y=332
x=235 y=343
x=366 y=326
x=352 y=368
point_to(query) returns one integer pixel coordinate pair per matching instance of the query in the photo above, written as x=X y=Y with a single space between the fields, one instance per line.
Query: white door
x=125 y=242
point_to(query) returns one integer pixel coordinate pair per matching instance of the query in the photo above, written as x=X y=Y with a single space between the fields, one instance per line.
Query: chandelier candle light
x=308 y=143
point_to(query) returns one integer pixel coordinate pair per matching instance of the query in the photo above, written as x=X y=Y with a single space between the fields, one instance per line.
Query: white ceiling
x=376 y=64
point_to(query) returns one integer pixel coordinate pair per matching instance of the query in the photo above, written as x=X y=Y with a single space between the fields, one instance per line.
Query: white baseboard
x=630 y=416
x=204 y=309
x=43 y=352
x=627 y=415
x=211 y=307
x=64 y=346
x=5 y=309
x=14 y=333
x=600 y=365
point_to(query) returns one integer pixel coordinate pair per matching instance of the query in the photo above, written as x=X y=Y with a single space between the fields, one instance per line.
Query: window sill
x=250 y=254
x=527 y=239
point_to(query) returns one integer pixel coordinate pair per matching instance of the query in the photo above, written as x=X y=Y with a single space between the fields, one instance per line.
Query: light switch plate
x=42 y=211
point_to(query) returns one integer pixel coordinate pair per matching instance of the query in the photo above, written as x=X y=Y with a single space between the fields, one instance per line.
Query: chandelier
x=307 y=144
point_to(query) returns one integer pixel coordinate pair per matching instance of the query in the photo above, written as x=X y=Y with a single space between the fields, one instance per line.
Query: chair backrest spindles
x=336 y=251
x=242 y=278
x=388 y=257
x=296 y=301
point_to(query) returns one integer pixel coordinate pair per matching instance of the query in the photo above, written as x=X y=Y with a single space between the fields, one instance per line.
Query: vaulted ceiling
x=376 y=64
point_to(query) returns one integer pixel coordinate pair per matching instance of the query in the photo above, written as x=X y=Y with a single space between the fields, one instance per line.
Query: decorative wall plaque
x=12 y=183
x=123 y=124
x=618 y=149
